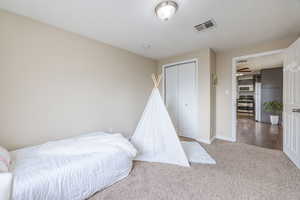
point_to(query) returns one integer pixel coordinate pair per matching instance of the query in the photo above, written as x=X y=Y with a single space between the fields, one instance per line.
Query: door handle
x=296 y=110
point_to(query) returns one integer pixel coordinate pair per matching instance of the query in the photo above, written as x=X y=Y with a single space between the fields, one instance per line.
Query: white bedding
x=71 y=169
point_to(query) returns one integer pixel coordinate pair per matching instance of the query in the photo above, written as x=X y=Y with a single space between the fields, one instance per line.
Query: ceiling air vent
x=206 y=25
x=242 y=62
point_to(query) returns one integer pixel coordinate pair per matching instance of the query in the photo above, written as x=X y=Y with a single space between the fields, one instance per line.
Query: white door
x=291 y=113
x=187 y=100
x=180 y=98
x=171 y=93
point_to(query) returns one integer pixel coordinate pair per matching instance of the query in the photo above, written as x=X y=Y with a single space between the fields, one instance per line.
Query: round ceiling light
x=166 y=9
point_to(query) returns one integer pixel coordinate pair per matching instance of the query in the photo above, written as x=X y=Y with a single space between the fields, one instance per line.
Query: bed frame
x=5 y=185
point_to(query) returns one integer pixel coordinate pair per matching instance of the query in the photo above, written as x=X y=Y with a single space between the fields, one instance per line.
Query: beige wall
x=55 y=84
x=224 y=73
x=204 y=57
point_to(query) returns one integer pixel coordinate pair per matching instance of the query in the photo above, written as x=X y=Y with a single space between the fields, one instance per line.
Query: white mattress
x=42 y=173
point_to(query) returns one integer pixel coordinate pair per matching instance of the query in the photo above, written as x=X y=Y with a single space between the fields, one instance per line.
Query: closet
x=180 y=96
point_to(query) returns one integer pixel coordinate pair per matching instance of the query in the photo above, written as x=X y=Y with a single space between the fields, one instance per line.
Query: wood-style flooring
x=259 y=134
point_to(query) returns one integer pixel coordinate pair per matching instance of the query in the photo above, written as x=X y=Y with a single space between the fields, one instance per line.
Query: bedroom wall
x=224 y=72
x=55 y=84
x=206 y=67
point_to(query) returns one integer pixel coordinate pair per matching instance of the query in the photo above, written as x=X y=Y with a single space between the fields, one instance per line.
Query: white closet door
x=187 y=107
x=171 y=93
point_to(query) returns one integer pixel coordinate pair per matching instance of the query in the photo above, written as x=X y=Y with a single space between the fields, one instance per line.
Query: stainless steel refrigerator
x=258 y=101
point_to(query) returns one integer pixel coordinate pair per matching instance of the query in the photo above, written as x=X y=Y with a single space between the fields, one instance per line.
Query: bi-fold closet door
x=180 y=95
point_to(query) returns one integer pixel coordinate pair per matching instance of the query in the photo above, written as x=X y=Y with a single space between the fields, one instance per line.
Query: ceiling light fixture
x=166 y=9
x=146 y=46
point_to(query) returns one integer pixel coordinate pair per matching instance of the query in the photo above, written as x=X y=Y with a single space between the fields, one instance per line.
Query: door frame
x=194 y=60
x=234 y=85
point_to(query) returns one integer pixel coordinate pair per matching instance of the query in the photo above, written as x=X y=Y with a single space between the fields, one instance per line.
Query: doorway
x=258 y=98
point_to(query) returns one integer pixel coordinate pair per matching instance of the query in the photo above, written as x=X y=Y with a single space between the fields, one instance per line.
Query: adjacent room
x=150 y=100
x=260 y=100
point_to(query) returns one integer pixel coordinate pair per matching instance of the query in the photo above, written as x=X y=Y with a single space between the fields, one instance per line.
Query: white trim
x=195 y=60
x=206 y=141
x=212 y=139
x=202 y=140
x=229 y=139
x=234 y=94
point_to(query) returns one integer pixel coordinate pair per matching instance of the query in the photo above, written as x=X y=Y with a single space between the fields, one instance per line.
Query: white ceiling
x=132 y=24
x=263 y=62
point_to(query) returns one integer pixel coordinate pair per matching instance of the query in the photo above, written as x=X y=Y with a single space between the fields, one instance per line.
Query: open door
x=291 y=112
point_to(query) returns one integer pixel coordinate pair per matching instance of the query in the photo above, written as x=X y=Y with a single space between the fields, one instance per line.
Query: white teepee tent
x=155 y=136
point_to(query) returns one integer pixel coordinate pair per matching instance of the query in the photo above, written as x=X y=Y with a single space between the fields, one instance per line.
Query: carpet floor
x=242 y=172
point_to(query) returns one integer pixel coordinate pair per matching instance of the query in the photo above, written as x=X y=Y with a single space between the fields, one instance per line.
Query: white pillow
x=90 y=143
x=4 y=159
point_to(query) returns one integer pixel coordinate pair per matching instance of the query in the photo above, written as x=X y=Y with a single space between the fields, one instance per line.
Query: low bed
x=72 y=169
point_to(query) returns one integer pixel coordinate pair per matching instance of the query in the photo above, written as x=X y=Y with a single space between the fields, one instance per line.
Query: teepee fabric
x=155 y=136
x=196 y=153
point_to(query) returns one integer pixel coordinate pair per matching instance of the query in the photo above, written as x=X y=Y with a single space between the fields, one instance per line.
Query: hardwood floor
x=259 y=134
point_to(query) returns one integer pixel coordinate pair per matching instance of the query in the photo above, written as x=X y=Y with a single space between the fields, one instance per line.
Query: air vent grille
x=242 y=62
x=206 y=25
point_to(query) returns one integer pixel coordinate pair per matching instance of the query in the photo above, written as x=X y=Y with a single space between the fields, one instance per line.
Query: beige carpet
x=242 y=172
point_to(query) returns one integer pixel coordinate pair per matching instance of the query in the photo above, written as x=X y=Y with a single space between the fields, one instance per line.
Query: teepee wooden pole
x=155 y=80
x=158 y=79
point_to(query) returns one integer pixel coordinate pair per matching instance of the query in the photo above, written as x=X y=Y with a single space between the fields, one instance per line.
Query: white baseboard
x=203 y=140
x=206 y=141
x=212 y=139
x=229 y=139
